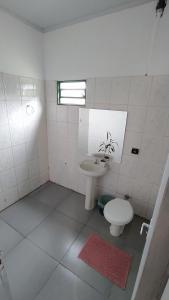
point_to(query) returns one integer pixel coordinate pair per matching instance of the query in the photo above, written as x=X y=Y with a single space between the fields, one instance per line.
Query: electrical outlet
x=135 y=151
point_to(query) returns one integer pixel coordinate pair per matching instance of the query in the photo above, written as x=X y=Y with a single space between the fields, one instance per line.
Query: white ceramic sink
x=91 y=170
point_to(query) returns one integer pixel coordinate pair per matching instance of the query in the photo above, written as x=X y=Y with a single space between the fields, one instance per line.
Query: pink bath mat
x=106 y=259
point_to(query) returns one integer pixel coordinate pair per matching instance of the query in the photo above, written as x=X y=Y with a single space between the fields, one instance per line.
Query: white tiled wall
x=23 y=137
x=147 y=101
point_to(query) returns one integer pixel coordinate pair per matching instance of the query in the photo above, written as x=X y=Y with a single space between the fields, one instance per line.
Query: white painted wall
x=20 y=48
x=129 y=42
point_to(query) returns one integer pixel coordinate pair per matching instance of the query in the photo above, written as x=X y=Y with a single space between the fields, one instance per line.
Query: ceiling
x=47 y=15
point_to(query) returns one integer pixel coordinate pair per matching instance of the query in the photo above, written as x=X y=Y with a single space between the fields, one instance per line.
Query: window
x=71 y=92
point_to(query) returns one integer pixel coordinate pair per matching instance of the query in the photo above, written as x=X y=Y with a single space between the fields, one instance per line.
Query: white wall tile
x=17 y=132
x=153 y=196
x=120 y=107
x=62 y=113
x=22 y=172
x=72 y=132
x=101 y=105
x=90 y=92
x=33 y=166
x=50 y=89
x=103 y=89
x=12 y=87
x=10 y=196
x=44 y=177
x=24 y=188
x=2 y=96
x=120 y=90
x=141 y=190
x=43 y=159
x=31 y=131
x=155 y=149
x=136 y=118
x=157 y=121
x=51 y=111
x=80 y=181
x=5 y=140
x=125 y=185
x=35 y=183
x=15 y=112
x=73 y=115
x=6 y=159
x=21 y=135
x=101 y=190
x=129 y=166
x=132 y=140
x=62 y=131
x=19 y=154
x=28 y=88
x=146 y=101
x=109 y=180
x=151 y=171
x=32 y=150
x=140 y=207
x=115 y=167
x=7 y=179
x=140 y=90
x=3 y=113
x=160 y=91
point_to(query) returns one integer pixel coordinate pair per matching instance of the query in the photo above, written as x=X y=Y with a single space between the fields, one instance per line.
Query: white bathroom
x=84 y=145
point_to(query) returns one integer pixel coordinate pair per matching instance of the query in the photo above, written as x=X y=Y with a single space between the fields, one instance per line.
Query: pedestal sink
x=91 y=169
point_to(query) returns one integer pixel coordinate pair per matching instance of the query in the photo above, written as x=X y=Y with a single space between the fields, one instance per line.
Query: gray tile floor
x=41 y=237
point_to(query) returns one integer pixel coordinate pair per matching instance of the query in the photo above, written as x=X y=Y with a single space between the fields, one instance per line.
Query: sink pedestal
x=92 y=170
x=90 y=193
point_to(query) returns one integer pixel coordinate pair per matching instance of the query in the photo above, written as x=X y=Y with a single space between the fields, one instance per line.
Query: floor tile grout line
x=12 y=226
x=72 y=218
x=47 y=216
x=60 y=262
x=63 y=266
x=11 y=249
x=46 y=281
x=25 y=235
x=40 y=248
x=34 y=243
x=81 y=230
x=52 y=212
x=31 y=195
x=74 y=273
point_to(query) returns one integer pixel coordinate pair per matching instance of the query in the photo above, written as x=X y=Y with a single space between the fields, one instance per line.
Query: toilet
x=118 y=212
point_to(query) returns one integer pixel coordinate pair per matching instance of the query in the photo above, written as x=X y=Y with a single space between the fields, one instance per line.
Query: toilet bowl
x=118 y=213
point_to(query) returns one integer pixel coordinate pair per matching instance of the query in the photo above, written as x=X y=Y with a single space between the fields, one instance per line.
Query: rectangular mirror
x=101 y=132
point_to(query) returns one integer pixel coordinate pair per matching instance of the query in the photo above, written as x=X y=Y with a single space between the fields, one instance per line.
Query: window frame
x=59 y=92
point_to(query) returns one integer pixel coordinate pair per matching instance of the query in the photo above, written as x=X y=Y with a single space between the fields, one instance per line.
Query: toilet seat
x=118 y=212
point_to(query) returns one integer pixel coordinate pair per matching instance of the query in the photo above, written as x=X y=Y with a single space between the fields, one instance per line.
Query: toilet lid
x=118 y=211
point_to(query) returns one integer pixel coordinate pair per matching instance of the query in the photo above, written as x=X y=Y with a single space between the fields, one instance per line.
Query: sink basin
x=90 y=168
